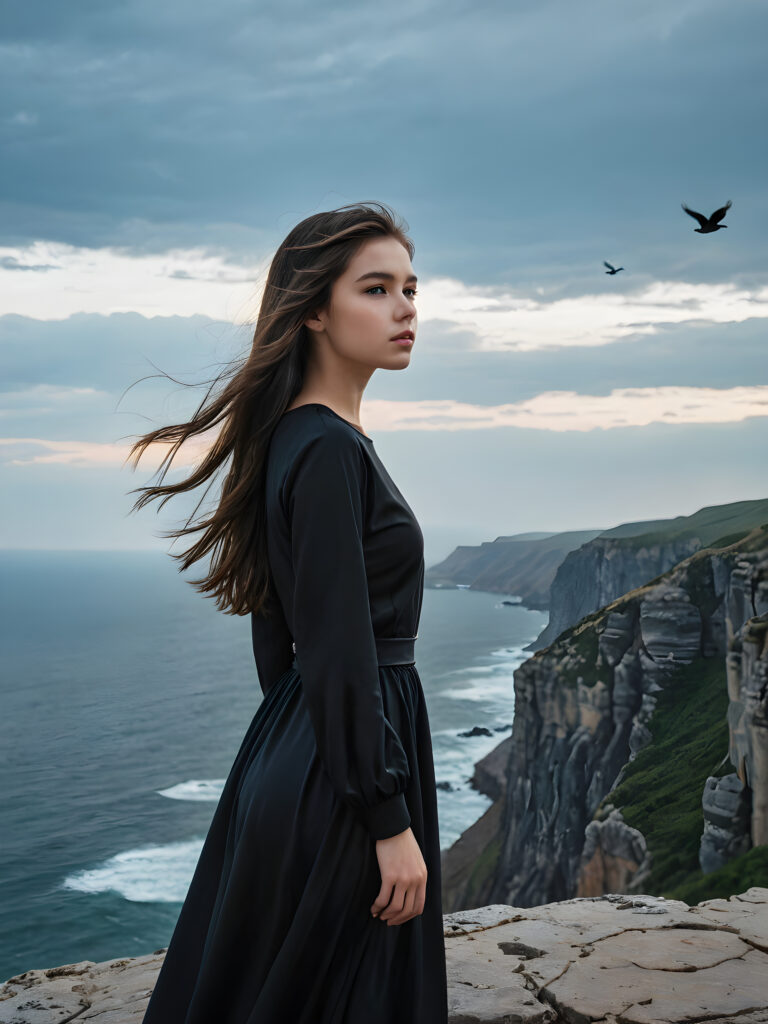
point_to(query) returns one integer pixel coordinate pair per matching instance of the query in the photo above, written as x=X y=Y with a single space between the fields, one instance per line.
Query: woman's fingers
x=406 y=902
x=392 y=904
x=403 y=879
x=416 y=907
x=407 y=909
x=420 y=898
x=383 y=898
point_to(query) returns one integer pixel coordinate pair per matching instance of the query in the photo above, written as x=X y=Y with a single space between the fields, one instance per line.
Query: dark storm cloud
x=110 y=354
x=11 y=263
x=524 y=143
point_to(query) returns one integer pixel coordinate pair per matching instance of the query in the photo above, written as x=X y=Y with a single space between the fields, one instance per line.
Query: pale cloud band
x=550 y=411
x=503 y=321
x=51 y=281
x=28 y=451
x=568 y=411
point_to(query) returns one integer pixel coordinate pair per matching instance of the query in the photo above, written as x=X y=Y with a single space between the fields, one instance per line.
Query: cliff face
x=747 y=673
x=570 y=813
x=522 y=566
x=632 y=554
x=601 y=571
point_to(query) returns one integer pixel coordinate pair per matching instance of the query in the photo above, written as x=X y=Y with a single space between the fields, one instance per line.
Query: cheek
x=367 y=311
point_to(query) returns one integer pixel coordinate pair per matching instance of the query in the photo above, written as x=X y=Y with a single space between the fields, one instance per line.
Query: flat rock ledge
x=612 y=959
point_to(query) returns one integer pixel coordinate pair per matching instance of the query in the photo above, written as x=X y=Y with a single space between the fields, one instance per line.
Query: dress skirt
x=276 y=925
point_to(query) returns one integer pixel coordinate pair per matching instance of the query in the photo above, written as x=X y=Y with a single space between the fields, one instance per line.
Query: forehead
x=386 y=254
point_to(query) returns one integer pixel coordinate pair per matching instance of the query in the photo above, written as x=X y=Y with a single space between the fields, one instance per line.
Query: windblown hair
x=249 y=396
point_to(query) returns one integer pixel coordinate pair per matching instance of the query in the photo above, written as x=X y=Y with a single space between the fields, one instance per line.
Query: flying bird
x=611 y=270
x=708 y=224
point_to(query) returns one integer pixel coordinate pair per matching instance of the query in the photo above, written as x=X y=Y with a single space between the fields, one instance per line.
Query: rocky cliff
x=620 y=725
x=638 y=960
x=632 y=554
x=602 y=570
x=522 y=564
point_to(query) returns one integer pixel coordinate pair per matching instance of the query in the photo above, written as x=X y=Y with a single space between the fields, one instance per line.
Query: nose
x=406 y=310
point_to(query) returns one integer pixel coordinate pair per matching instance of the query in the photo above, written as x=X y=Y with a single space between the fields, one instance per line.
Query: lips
x=405 y=334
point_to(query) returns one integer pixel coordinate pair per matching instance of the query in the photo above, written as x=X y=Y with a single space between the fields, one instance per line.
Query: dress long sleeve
x=333 y=632
x=271 y=639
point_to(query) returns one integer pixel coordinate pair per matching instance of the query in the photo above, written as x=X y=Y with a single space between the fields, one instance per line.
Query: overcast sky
x=154 y=156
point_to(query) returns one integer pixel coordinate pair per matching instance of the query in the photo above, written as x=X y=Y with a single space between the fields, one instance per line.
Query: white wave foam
x=146 y=874
x=506 y=658
x=515 y=655
x=195 y=789
x=497 y=691
x=470 y=670
x=477 y=694
x=493 y=685
x=489 y=690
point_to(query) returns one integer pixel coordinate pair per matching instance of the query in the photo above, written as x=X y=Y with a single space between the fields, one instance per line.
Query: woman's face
x=371 y=303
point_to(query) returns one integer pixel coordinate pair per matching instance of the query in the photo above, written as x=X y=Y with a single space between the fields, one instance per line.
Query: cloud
x=559 y=411
x=497 y=317
x=569 y=411
x=12 y=263
x=22 y=117
x=501 y=319
x=167 y=149
x=522 y=140
x=78 y=279
x=42 y=399
x=34 y=451
x=96 y=377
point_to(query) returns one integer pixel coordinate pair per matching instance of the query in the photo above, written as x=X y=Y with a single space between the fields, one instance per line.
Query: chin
x=404 y=359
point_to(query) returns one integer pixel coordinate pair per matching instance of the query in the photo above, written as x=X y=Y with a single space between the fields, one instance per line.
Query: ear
x=314 y=323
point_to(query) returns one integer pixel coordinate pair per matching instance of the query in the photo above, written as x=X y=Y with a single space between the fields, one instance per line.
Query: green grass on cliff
x=738 y=875
x=712 y=525
x=583 y=650
x=483 y=872
x=660 y=793
x=699 y=585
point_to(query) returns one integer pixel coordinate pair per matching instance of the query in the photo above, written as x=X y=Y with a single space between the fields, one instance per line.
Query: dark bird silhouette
x=708 y=224
x=611 y=270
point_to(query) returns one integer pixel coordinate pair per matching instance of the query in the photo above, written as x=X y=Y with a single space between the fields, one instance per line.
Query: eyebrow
x=385 y=275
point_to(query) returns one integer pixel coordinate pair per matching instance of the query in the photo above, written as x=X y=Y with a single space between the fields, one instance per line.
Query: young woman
x=316 y=898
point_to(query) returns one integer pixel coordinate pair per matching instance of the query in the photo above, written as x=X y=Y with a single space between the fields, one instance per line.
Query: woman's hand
x=403 y=879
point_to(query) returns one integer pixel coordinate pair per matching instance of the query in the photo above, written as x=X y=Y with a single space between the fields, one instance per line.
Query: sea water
x=125 y=697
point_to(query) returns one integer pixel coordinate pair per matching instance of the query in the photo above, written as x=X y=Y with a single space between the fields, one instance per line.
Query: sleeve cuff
x=389 y=818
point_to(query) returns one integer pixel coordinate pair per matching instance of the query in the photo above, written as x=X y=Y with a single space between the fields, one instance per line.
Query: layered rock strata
x=583 y=712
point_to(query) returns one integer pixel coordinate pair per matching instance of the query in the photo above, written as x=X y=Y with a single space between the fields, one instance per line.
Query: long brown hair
x=250 y=395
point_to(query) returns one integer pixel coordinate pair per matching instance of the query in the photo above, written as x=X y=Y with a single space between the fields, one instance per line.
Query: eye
x=413 y=291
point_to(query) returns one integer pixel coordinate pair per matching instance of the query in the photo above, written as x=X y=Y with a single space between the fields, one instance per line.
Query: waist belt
x=390 y=650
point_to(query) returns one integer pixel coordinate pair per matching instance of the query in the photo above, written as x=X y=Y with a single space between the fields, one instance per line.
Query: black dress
x=276 y=925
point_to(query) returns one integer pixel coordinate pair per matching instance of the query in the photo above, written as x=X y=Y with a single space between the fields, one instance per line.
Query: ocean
x=125 y=697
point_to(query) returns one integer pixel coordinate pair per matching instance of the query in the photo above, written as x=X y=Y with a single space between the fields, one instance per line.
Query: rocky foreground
x=611 y=959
